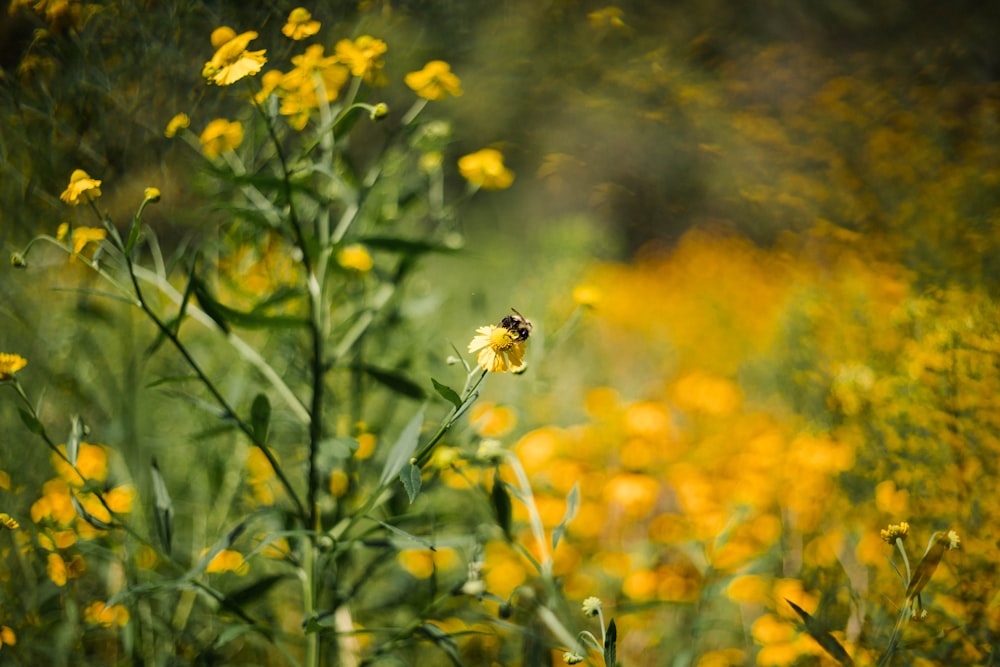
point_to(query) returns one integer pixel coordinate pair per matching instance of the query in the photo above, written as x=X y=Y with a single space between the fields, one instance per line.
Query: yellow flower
x=81 y=189
x=298 y=89
x=99 y=613
x=895 y=531
x=355 y=257
x=91 y=461
x=363 y=57
x=177 y=123
x=7 y=636
x=300 y=24
x=151 y=194
x=81 y=236
x=501 y=347
x=486 y=170
x=607 y=17
x=60 y=571
x=232 y=61
x=8 y=522
x=435 y=81
x=10 y=364
x=592 y=606
x=219 y=136
x=228 y=560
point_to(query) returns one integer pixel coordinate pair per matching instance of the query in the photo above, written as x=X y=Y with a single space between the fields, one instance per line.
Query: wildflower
x=60 y=571
x=151 y=195
x=573 y=658
x=895 y=531
x=81 y=189
x=10 y=364
x=490 y=450
x=501 y=347
x=363 y=57
x=586 y=295
x=227 y=560
x=592 y=606
x=485 y=169
x=81 y=236
x=8 y=522
x=379 y=111
x=300 y=24
x=298 y=89
x=435 y=81
x=7 y=636
x=232 y=61
x=99 y=613
x=176 y=124
x=219 y=136
x=953 y=540
x=355 y=257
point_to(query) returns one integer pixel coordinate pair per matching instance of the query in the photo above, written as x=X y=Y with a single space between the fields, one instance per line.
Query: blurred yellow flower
x=4 y=475
x=91 y=462
x=586 y=295
x=355 y=257
x=339 y=483
x=492 y=421
x=300 y=24
x=81 y=189
x=60 y=571
x=227 y=560
x=81 y=236
x=485 y=169
x=219 y=136
x=314 y=76
x=366 y=448
x=176 y=124
x=232 y=61
x=8 y=522
x=7 y=636
x=10 y=364
x=435 y=81
x=363 y=57
x=894 y=532
x=99 y=613
x=55 y=504
x=607 y=17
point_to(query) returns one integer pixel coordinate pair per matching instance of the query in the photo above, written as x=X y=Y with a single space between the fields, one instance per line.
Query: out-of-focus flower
x=219 y=136
x=573 y=658
x=232 y=61
x=10 y=364
x=176 y=124
x=435 y=81
x=7 y=636
x=608 y=17
x=81 y=189
x=363 y=57
x=60 y=571
x=300 y=90
x=227 y=560
x=8 y=522
x=81 y=236
x=100 y=613
x=355 y=257
x=485 y=169
x=491 y=420
x=591 y=606
x=300 y=24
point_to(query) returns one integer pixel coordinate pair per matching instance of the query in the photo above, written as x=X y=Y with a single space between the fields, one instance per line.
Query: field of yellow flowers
x=332 y=337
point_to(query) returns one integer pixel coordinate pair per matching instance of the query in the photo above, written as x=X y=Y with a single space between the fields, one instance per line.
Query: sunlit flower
x=151 y=195
x=227 y=560
x=435 y=81
x=7 y=636
x=895 y=531
x=300 y=24
x=176 y=124
x=363 y=57
x=8 y=522
x=486 y=170
x=953 y=540
x=81 y=236
x=591 y=606
x=355 y=257
x=501 y=347
x=219 y=136
x=100 y=613
x=300 y=90
x=232 y=61
x=10 y=364
x=81 y=189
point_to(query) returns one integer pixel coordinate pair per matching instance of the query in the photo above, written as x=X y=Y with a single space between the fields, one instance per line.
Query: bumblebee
x=518 y=324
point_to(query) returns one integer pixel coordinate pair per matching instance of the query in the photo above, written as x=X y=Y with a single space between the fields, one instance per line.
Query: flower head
x=501 y=347
x=81 y=189
x=176 y=124
x=435 y=81
x=10 y=364
x=355 y=257
x=954 y=541
x=8 y=522
x=228 y=560
x=81 y=236
x=573 y=658
x=895 y=531
x=486 y=170
x=232 y=61
x=592 y=606
x=219 y=136
x=151 y=195
x=300 y=24
x=363 y=56
x=100 y=613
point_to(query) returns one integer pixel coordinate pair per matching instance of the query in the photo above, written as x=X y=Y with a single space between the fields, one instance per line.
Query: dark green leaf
x=822 y=637
x=133 y=235
x=403 y=449
x=260 y=418
x=410 y=476
x=443 y=641
x=502 y=506
x=255 y=591
x=208 y=303
x=405 y=246
x=611 y=645
x=448 y=393
x=394 y=380
x=164 y=508
x=31 y=422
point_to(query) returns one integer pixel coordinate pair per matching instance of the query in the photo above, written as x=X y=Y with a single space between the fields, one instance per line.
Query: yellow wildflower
x=363 y=57
x=8 y=522
x=895 y=531
x=435 y=81
x=232 y=61
x=300 y=24
x=485 y=169
x=176 y=124
x=81 y=189
x=60 y=571
x=228 y=560
x=7 y=636
x=99 y=613
x=501 y=347
x=10 y=364
x=355 y=257
x=151 y=194
x=298 y=88
x=219 y=136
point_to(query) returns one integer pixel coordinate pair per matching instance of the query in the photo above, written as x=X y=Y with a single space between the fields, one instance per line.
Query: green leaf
x=394 y=380
x=403 y=449
x=408 y=536
x=410 y=476
x=260 y=417
x=572 y=505
x=405 y=246
x=31 y=422
x=502 y=505
x=822 y=637
x=443 y=641
x=133 y=235
x=164 y=508
x=230 y=633
x=77 y=430
x=212 y=308
x=610 y=645
x=256 y=590
x=448 y=393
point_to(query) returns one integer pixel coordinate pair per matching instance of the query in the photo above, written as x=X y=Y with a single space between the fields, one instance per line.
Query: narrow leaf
x=394 y=380
x=77 y=430
x=410 y=476
x=260 y=417
x=212 y=308
x=88 y=517
x=31 y=422
x=925 y=569
x=133 y=236
x=256 y=590
x=164 y=508
x=610 y=645
x=572 y=505
x=502 y=505
x=448 y=394
x=444 y=642
x=822 y=637
x=402 y=451
x=405 y=535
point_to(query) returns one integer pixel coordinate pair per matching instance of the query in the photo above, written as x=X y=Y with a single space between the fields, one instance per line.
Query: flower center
x=501 y=338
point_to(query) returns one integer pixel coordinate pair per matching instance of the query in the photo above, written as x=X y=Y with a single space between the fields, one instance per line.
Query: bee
x=518 y=324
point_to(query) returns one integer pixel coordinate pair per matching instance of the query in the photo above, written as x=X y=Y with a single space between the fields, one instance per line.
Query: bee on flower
x=501 y=347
